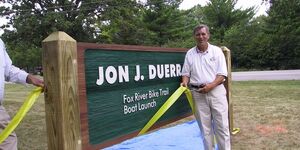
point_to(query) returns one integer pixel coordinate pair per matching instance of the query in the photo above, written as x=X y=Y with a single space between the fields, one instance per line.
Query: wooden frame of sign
x=81 y=48
x=131 y=81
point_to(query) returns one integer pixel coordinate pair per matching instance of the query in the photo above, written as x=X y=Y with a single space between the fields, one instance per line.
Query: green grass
x=267 y=112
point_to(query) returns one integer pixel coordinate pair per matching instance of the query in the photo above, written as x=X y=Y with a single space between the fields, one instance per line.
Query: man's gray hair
x=200 y=26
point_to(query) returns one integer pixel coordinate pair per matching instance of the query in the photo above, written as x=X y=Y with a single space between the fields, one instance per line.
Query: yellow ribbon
x=171 y=100
x=189 y=96
x=235 y=131
x=20 y=114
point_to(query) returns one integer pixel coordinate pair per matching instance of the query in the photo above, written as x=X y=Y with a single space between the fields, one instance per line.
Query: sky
x=187 y=4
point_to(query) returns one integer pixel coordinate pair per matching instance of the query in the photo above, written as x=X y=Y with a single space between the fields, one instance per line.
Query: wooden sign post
x=227 y=84
x=61 y=96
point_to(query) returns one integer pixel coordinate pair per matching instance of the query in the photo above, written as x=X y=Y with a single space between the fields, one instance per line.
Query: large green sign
x=125 y=88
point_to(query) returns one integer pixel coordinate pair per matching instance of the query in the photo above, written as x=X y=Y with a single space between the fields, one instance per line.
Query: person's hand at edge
x=184 y=84
x=185 y=81
x=35 y=81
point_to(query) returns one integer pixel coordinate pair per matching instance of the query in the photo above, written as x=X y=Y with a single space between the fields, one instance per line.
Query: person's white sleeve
x=222 y=67
x=12 y=73
x=186 y=67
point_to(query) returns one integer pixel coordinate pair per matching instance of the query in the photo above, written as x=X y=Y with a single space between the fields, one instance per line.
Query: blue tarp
x=184 y=136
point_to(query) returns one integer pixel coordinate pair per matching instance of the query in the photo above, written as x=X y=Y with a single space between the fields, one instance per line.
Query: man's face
x=201 y=36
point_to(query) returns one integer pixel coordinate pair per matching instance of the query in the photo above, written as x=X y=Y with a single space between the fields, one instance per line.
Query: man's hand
x=35 y=81
x=185 y=81
x=184 y=84
x=208 y=87
x=205 y=88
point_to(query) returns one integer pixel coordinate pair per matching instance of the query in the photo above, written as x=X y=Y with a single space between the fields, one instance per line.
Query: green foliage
x=33 y=21
x=163 y=20
x=191 y=18
x=245 y=43
x=122 y=23
x=284 y=30
x=221 y=15
x=264 y=42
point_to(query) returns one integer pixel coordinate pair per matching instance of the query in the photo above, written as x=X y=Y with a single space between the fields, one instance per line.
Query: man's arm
x=208 y=87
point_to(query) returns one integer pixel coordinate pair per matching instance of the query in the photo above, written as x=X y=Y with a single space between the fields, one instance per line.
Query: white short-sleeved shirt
x=8 y=72
x=203 y=67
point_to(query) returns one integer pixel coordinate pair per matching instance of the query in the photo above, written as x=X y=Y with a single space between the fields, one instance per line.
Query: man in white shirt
x=9 y=72
x=204 y=71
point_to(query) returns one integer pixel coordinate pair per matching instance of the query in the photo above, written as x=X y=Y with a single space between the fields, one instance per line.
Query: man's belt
x=197 y=86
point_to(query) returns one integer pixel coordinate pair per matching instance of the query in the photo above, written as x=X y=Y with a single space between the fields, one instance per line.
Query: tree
x=23 y=55
x=248 y=44
x=122 y=24
x=233 y=28
x=163 y=20
x=192 y=17
x=75 y=17
x=221 y=15
x=34 y=20
x=283 y=27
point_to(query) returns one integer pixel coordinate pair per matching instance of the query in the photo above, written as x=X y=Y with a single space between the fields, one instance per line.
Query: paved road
x=266 y=75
